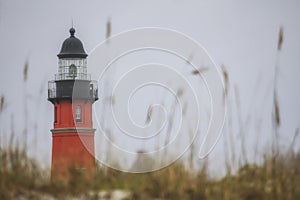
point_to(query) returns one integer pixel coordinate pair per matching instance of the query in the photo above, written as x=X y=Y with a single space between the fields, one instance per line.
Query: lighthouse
x=72 y=94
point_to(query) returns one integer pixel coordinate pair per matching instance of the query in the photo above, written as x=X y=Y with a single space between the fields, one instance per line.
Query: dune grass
x=20 y=175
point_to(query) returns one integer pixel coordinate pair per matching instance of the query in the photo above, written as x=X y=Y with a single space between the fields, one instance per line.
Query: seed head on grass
x=25 y=71
x=179 y=92
x=276 y=110
x=226 y=78
x=280 y=38
x=149 y=114
x=108 y=28
x=200 y=70
x=2 y=100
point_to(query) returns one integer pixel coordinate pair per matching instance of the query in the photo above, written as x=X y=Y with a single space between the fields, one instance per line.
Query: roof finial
x=72 y=30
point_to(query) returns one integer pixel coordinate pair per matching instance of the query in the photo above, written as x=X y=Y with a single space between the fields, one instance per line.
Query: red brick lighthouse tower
x=72 y=93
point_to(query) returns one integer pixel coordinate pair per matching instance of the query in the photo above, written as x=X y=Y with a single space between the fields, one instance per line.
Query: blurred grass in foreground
x=21 y=178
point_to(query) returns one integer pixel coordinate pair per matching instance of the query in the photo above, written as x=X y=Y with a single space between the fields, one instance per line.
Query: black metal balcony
x=73 y=90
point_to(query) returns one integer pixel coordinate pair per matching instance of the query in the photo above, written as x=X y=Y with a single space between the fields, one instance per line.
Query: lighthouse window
x=55 y=114
x=78 y=114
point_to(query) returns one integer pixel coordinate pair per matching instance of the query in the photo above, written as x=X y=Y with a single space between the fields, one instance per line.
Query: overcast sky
x=242 y=35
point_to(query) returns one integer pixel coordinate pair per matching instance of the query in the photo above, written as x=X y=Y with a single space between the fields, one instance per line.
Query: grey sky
x=241 y=35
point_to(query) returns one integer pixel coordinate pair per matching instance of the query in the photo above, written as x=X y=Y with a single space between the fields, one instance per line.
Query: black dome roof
x=72 y=47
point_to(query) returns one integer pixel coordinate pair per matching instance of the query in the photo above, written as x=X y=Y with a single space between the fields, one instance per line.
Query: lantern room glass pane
x=66 y=68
